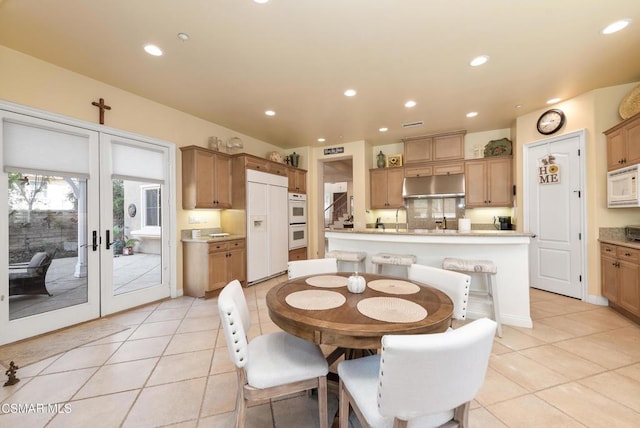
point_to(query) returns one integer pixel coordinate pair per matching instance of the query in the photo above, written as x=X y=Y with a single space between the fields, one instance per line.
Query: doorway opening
x=337 y=183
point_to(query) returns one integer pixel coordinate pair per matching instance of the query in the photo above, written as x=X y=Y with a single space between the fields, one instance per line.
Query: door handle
x=108 y=243
x=95 y=240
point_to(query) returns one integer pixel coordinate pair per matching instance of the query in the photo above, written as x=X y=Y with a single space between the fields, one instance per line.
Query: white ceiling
x=297 y=57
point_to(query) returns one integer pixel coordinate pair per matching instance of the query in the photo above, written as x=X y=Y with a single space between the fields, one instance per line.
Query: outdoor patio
x=130 y=273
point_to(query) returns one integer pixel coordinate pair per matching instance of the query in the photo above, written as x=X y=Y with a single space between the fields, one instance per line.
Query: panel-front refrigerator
x=267 y=225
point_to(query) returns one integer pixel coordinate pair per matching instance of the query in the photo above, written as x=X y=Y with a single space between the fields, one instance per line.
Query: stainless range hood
x=434 y=186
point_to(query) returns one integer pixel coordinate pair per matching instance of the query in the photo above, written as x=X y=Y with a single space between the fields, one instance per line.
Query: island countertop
x=434 y=232
x=508 y=249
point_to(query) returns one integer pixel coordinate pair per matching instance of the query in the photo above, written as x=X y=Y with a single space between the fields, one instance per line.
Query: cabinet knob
x=627 y=254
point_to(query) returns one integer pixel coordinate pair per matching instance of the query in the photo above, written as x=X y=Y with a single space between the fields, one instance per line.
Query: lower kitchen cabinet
x=620 y=278
x=298 y=254
x=209 y=266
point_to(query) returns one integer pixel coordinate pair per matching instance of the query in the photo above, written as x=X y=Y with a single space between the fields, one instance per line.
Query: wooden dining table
x=393 y=305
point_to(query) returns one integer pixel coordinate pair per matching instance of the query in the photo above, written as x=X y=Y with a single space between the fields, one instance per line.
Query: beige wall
x=38 y=84
x=595 y=111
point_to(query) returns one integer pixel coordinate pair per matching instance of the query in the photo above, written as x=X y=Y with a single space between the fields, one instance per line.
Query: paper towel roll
x=464 y=224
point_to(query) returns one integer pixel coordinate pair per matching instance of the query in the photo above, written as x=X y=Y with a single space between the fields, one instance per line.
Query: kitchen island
x=509 y=250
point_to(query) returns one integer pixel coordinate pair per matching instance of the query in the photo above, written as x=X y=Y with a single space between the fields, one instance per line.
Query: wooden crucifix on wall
x=102 y=106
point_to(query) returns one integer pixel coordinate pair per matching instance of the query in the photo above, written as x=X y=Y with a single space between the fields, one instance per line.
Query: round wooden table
x=345 y=326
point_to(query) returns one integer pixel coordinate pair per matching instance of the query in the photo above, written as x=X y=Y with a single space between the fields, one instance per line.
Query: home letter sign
x=548 y=172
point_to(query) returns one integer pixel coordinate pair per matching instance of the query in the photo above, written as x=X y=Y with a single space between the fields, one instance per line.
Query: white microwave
x=622 y=187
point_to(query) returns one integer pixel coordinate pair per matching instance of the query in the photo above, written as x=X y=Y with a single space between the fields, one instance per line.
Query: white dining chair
x=423 y=380
x=299 y=268
x=270 y=365
x=453 y=284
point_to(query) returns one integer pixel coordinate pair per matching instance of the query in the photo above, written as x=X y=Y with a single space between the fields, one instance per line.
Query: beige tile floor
x=579 y=366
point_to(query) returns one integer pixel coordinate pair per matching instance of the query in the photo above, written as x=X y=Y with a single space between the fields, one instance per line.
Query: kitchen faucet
x=406 y=212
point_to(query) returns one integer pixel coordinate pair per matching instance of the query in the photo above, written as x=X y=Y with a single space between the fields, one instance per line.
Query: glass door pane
x=137 y=236
x=47 y=243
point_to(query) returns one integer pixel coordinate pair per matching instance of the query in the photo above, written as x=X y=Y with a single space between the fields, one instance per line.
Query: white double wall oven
x=297 y=220
x=99 y=203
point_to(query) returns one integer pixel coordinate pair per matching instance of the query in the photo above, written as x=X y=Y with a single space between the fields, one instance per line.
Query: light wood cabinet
x=418 y=171
x=488 y=182
x=297 y=180
x=206 y=178
x=448 y=168
x=434 y=148
x=298 y=254
x=623 y=143
x=620 y=278
x=386 y=187
x=209 y=266
x=241 y=162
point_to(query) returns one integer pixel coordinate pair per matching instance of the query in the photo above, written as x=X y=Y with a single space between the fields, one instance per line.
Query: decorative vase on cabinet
x=381 y=161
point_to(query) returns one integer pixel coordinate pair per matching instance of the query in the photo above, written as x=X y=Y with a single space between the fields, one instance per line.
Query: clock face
x=550 y=121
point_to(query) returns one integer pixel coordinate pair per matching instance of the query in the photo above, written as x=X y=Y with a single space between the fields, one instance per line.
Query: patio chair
x=29 y=278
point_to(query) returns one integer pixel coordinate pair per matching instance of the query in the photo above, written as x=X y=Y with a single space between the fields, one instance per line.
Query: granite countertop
x=208 y=239
x=432 y=232
x=621 y=242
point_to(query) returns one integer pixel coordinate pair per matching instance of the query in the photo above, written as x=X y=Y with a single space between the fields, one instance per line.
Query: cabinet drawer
x=608 y=250
x=418 y=171
x=629 y=254
x=216 y=247
x=448 y=168
x=257 y=164
x=232 y=245
x=278 y=169
x=298 y=254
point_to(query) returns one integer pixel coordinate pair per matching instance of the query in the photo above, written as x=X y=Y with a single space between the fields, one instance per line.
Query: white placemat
x=391 y=309
x=315 y=300
x=394 y=286
x=327 y=281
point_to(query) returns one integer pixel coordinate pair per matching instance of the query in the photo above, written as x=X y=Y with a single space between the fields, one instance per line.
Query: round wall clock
x=551 y=121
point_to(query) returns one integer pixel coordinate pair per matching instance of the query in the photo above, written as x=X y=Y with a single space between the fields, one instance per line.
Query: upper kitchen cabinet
x=297 y=180
x=623 y=143
x=434 y=148
x=386 y=187
x=206 y=178
x=488 y=182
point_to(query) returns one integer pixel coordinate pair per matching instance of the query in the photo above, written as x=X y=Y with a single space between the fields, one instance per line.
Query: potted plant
x=127 y=250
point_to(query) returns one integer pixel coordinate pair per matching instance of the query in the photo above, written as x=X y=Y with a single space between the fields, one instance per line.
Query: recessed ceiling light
x=261 y=1
x=479 y=60
x=321 y=140
x=383 y=129
x=153 y=50
x=350 y=92
x=616 y=26
x=553 y=100
x=410 y=104
x=472 y=114
x=183 y=36
x=270 y=113
x=517 y=106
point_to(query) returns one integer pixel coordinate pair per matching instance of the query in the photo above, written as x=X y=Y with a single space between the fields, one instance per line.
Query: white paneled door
x=71 y=199
x=554 y=212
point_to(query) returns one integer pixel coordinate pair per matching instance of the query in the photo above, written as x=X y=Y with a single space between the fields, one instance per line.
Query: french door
x=135 y=253
x=71 y=199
